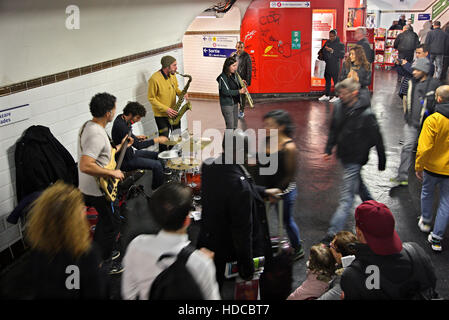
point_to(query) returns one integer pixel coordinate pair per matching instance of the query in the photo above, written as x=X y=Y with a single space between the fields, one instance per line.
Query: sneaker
x=241 y=115
x=115 y=254
x=323 y=98
x=424 y=227
x=436 y=244
x=334 y=99
x=399 y=181
x=298 y=254
x=116 y=268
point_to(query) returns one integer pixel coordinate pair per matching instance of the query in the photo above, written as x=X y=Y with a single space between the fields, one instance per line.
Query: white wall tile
x=64 y=107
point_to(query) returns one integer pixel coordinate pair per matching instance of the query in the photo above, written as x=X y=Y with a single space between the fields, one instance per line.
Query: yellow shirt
x=433 y=145
x=162 y=93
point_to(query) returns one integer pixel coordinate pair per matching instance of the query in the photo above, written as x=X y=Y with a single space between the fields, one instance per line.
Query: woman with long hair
x=230 y=90
x=64 y=263
x=356 y=66
x=284 y=150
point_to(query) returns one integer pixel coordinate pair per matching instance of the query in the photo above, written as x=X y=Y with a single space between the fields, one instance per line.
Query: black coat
x=333 y=59
x=41 y=160
x=233 y=223
x=395 y=268
x=369 y=52
x=245 y=67
x=437 y=41
x=406 y=41
x=355 y=130
x=363 y=74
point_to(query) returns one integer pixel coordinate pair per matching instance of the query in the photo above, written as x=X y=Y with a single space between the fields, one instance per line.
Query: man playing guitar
x=95 y=153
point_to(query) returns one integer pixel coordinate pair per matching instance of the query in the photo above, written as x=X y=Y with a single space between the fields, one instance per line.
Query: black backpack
x=176 y=282
x=421 y=283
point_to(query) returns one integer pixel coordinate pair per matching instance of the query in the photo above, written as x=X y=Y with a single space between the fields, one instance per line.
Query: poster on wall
x=219 y=46
x=15 y=114
x=323 y=21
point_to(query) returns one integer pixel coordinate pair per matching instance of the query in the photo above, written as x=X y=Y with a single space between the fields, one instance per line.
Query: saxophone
x=184 y=108
x=242 y=84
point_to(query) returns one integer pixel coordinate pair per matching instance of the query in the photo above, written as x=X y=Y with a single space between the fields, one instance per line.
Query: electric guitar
x=109 y=185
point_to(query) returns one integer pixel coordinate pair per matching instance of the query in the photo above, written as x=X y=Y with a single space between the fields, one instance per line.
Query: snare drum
x=192 y=180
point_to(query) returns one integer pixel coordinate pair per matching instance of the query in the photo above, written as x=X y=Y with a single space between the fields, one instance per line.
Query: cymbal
x=169 y=154
x=172 y=142
x=183 y=163
x=199 y=143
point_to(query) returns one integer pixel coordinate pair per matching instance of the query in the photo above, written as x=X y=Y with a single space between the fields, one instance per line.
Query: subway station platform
x=318 y=181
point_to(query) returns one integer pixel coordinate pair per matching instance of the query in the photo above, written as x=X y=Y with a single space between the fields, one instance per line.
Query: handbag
x=318 y=70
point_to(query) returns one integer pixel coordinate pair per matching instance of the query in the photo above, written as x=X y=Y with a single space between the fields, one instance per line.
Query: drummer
x=138 y=159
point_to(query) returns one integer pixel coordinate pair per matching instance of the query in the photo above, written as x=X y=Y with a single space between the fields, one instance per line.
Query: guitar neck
x=123 y=151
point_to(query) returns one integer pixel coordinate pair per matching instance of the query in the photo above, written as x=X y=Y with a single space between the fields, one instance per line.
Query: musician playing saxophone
x=245 y=70
x=230 y=90
x=162 y=92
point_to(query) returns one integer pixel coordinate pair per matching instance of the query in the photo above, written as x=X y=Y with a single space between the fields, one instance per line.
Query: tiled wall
x=205 y=70
x=63 y=107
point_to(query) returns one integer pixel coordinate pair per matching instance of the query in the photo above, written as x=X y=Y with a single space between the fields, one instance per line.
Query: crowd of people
x=234 y=222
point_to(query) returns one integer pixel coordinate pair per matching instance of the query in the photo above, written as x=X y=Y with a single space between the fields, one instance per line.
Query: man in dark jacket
x=420 y=102
x=360 y=35
x=137 y=159
x=354 y=130
x=437 y=41
x=404 y=69
x=234 y=223
x=406 y=43
x=385 y=268
x=395 y=26
x=245 y=70
x=332 y=53
x=402 y=22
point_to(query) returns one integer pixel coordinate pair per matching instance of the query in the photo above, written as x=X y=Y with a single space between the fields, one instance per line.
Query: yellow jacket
x=162 y=93
x=433 y=145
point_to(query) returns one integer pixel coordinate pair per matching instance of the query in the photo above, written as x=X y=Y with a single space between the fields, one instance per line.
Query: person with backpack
x=385 y=268
x=166 y=266
x=420 y=102
x=432 y=168
x=406 y=43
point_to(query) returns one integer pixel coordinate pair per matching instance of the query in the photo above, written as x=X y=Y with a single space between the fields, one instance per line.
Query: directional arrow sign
x=296 y=40
x=217 y=52
x=289 y=4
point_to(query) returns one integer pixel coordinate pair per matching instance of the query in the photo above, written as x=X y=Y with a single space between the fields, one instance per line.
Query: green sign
x=296 y=39
x=439 y=7
x=412 y=16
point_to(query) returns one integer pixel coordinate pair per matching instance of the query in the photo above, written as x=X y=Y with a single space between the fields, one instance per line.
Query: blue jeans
x=352 y=185
x=148 y=160
x=410 y=138
x=428 y=190
x=289 y=222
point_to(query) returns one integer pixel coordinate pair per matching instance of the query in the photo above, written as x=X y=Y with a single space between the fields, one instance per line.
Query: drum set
x=182 y=165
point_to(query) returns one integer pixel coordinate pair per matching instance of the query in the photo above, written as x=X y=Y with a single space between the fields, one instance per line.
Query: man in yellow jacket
x=432 y=167
x=162 y=91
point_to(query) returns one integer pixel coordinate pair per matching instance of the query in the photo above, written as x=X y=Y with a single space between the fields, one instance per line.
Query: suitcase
x=276 y=280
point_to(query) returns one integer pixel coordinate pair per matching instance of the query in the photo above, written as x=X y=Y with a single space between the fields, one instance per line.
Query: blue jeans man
x=352 y=185
x=428 y=190
x=148 y=160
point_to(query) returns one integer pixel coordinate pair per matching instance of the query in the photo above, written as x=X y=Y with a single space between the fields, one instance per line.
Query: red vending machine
x=351 y=41
x=283 y=39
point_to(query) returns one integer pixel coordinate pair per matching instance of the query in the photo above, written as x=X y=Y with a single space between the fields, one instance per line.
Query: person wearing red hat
x=385 y=268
